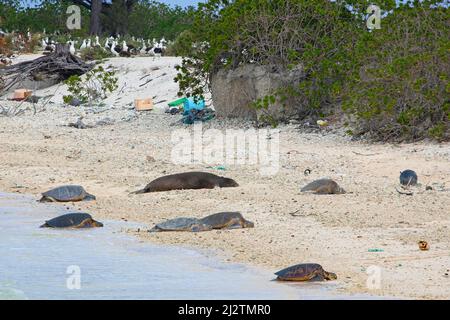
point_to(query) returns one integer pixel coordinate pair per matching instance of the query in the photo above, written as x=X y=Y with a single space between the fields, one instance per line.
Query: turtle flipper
x=234 y=223
x=200 y=227
x=139 y=191
x=89 y=197
x=45 y=225
x=46 y=199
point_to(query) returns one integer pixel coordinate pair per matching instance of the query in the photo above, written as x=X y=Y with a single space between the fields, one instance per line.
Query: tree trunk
x=96 y=8
x=44 y=71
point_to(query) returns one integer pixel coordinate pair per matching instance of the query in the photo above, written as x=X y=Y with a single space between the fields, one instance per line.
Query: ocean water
x=102 y=263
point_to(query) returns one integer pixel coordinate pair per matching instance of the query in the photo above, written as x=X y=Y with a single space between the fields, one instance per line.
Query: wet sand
x=338 y=231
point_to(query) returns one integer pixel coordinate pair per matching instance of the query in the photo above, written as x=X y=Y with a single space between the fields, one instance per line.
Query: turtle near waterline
x=305 y=272
x=227 y=220
x=181 y=224
x=323 y=186
x=68 y=193
x=73 y=220
x=221 y=220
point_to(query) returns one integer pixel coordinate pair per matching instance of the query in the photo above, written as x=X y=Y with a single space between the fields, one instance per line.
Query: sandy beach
x=371 y=225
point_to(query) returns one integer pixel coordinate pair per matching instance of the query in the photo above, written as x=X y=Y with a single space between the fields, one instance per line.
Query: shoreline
x=23 y=207
x=338 y=231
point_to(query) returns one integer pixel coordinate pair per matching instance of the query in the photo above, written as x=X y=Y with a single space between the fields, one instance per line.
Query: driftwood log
x=44 y=71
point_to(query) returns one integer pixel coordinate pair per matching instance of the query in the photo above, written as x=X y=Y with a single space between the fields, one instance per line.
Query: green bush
x=96 y=84
x=398 y=88
x=283 y=33
x=392 y=83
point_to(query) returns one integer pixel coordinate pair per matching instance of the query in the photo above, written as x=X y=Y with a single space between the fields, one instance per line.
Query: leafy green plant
x=397 y=87
x=314 y=34
x=93 y=86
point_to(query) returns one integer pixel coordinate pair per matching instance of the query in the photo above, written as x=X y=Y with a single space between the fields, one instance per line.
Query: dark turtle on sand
x=305 y=272
x=66 y=194
x=227 y=220
x=408 y=178
x=181 y=224
x=72 y=220
x=188 y=180
x=323 y=186
x=221 y=220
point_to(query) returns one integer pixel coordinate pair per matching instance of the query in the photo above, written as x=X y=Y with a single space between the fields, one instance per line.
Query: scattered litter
x=408 y=178
x=307 y=171
x=423 y=245
x=143 y=104
x=407 y=193
x=322 y=123
x=198 y=115
x=79 y=124
x=177 y=102
x=190 y=104
x=375 y=250
x=218 y=168
x=21 y=94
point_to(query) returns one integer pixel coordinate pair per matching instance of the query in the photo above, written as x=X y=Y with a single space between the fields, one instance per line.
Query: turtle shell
x=180 y=224
x=300 y=272
x=72 y=220
x=67 y=193
x=221 y=219
x=408 y=178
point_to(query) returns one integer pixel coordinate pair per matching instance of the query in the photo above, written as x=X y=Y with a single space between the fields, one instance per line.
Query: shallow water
x=34 y=263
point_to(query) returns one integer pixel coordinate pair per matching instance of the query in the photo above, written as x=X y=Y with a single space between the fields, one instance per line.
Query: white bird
x=72 y=48
x=157 y=50
x=97 y=42
x=83 y=45
x=124 y=47
x=143 y=49
x=43 y=43
x=88 y=43
x=113 y=51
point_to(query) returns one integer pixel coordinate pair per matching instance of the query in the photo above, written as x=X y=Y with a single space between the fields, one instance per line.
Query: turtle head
x=341 y=190
x=330 y=275
x=248 y=224
x=227 y=182
x=96 y=224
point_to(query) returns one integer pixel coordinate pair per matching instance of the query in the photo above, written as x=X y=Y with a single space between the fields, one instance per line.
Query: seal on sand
x=188 y=180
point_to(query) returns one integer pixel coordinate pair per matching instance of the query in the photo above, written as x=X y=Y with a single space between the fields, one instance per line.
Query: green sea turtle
x=323 y=186
x=227 y=220
x=181 y=224
x=221 y=220
x=67 y=193
x=305 y=272
x=188 y=180
x=72 y=220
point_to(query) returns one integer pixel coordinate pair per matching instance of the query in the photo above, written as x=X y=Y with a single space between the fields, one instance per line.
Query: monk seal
x=188 y=180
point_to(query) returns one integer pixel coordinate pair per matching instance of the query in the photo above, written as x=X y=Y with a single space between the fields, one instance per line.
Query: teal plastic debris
x=375 y=250
x=222 y=168
x=189 y=104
